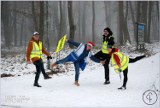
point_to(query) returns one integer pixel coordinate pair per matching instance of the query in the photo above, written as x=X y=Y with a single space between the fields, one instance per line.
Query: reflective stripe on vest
x=124 y=60
x=36 y=50
x=104 y=46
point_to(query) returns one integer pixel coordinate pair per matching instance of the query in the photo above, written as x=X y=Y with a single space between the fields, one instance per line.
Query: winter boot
x=106 y=82
x=47 y=77
x=122 y=88
x=37 y=85
x=76 y=83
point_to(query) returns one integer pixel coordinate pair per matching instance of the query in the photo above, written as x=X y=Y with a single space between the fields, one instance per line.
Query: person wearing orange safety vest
x=34 y=52
x=120 y=63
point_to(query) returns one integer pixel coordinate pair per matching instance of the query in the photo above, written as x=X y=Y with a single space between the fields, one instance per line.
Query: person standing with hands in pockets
x=34 y=52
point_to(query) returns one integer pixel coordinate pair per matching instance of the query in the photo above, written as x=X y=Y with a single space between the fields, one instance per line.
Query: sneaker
x=37 y=85
x=122 y=88
x=76 y=83
x=106 y=82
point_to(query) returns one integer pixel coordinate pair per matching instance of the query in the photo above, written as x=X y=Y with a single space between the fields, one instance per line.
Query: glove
x=49 y=57
x=120 y=70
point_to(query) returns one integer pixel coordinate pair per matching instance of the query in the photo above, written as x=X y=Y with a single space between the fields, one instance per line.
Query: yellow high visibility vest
x=36 y=50
x=124 y=60
x=104 y=46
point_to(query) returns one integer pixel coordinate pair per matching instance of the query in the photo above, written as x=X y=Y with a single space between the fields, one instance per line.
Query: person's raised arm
x=73 y=43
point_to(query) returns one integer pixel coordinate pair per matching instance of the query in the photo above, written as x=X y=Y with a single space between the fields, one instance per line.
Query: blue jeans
x=63 y=60
x=76 y=66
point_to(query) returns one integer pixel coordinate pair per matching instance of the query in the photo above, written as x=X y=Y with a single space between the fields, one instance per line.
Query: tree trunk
x=6 y=22
x=71 y=22
x=138 y=18
x=107 y=13
x=34 y=17
x=47 y=30
x=84 y=21
x=41 y=20
x=62 y=19
x=79 y=21
x=144 y=19
x=126 y=32
x=126 y=16
x=133 y=19
x=93 y=22
x=15 y=25
x=120 y=23
x=21 y=31
x=157 y=6
x=56 y=21
x=149 y=21
x=123 y=25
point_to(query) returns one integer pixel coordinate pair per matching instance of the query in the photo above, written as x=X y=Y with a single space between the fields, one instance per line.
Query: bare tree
x=107 y=5
x=6 y=22
x=157 y=8
x=149 y=21
x=21 y=31
x=93 y=22
x=71 y=21
x=56 y=19
x=120 y=23
x=15 y=25
x=35 y=23
x=62 y=19
x=133 y=18
x=124 y=34
x=144 y=19
x=41 y=20
x=84 y=20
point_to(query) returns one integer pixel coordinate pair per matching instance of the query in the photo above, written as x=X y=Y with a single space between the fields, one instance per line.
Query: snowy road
x=60 y=91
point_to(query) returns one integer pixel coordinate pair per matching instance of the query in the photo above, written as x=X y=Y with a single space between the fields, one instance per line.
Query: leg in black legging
x=106 y=67
x=38 y=71
x=42 y=69
x=99 y=55
x=125 y=72
x=136 y=59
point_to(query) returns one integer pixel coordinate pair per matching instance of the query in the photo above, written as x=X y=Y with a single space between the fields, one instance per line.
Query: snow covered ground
x=59 y=91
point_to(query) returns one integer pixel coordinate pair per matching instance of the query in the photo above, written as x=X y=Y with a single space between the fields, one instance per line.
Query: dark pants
x=102 y=56
x=39 y=68
x=125 y=72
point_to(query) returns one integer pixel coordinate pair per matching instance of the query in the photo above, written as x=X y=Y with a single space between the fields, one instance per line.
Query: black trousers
x=125 y=72
x=102 y=56
x=39 y=68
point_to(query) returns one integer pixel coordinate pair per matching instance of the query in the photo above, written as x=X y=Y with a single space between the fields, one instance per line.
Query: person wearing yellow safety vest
x=120 y=63
x=34 y=52
x=108 y=41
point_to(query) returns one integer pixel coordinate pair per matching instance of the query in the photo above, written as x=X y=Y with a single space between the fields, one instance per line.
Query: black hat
x=109 y=30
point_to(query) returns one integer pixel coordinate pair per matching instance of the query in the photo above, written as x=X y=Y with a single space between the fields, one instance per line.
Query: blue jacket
x=81 y=58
